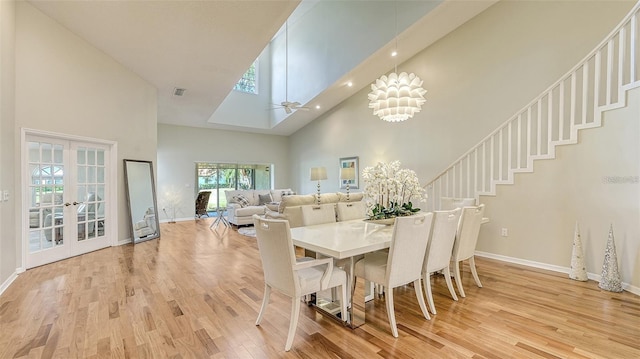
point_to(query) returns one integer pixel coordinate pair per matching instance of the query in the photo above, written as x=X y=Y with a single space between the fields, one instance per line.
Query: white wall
x=179 y=148
x=8 y=254
x=477 y=77
x=65 y=85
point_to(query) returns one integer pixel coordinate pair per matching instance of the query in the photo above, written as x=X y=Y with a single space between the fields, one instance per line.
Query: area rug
x=247 y=231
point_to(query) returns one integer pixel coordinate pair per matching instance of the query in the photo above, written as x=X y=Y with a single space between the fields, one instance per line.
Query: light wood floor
x=195 y=294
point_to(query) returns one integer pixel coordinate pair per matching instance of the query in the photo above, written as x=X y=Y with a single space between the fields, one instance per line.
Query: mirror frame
x=128 y=181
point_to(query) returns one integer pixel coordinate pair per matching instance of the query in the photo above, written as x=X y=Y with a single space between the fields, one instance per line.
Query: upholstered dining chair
x=347 y=211
x=465 y=244
x=318 y=214
x=321 y=214
x=291 y=276
x=449 y=203
x=401 y=265
x=438 y=254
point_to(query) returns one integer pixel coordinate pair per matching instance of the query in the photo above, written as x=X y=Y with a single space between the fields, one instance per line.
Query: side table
x=220 y=218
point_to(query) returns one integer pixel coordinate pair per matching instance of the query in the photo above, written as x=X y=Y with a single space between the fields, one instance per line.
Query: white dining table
x=343 y=239
x=348 y=239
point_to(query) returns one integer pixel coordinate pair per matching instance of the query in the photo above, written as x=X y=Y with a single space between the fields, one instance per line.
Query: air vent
x=178 y=91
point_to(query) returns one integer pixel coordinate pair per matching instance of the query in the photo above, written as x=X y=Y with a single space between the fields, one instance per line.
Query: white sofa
x=290 y=206
x=239 y=212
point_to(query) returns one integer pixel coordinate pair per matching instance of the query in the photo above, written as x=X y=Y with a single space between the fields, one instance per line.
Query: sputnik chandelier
x=396 y=98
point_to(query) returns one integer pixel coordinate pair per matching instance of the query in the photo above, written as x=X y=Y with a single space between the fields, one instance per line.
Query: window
x=249 y=81
x=221 y=177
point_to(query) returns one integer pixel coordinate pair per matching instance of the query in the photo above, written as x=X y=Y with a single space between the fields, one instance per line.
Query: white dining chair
x=465 y=244
x=290 y=276
x=318 y=214
x=321 y=214
x=401 y=265
x=438 y=254
x=449 y=203
x=347 y=211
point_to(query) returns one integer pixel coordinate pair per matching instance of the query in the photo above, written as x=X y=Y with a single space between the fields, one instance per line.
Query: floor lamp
x=318 y=174
x=347 y=174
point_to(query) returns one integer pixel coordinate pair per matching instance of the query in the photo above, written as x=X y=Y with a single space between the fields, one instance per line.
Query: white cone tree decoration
x=578 y=268
x=610 y=275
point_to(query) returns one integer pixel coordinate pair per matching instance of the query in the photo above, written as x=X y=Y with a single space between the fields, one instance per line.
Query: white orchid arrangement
x=389 y=190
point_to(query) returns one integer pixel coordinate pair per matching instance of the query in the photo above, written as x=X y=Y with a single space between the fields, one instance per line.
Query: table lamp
x=318 y=174
x=347 y=174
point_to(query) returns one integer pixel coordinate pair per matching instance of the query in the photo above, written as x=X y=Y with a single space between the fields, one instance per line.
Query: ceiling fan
x=287 y=105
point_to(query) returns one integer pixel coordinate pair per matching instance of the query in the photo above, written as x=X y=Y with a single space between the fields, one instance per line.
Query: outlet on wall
x=504 y=232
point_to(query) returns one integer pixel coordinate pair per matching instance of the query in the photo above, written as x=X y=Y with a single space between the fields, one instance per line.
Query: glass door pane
x=46 y=192
x=246 y=177
x=262 y=177
x=207 y=174
x=90 y=196
x=227 y=180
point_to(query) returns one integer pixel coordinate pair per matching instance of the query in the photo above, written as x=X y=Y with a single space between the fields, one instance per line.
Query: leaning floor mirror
x=141 y=198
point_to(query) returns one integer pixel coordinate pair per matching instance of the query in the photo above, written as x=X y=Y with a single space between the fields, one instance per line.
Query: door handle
x=76 y=203
x=67 y=204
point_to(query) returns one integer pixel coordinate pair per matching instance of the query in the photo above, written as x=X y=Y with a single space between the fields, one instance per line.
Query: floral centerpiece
x=389 y=191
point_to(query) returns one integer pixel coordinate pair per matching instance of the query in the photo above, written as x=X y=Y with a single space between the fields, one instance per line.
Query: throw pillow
x=241 y=200
x=264 y=199
x=288 y=193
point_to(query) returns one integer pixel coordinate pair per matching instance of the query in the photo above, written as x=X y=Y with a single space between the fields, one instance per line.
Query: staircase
x=598 y=83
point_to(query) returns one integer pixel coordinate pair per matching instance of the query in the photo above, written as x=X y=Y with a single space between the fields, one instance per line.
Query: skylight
x=249 y=81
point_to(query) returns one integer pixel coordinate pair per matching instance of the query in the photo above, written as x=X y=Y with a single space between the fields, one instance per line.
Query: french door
x=66 y=183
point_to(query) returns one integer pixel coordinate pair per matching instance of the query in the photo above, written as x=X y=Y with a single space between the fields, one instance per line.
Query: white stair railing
x=576 y=101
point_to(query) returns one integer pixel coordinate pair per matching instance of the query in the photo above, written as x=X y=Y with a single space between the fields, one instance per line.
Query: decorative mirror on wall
x=141 y=198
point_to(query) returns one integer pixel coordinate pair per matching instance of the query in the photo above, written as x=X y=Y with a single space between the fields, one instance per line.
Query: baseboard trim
x=8 y=282
x=122 y=242
x=596 y=277
x=631 y=289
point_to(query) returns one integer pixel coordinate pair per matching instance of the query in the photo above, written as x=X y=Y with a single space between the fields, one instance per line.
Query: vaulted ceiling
x=205 y=46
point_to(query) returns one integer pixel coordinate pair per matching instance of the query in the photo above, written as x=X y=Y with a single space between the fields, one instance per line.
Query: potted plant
x=389 y=191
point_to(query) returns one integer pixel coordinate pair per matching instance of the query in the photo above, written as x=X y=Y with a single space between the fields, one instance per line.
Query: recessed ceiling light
x=317 y=107
x=349 y=83
x=394 y=53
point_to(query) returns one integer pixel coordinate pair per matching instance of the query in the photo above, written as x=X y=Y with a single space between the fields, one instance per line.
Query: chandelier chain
x=395 y=60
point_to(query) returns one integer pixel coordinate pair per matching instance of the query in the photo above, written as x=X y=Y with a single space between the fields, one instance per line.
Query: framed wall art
x=349 y=172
